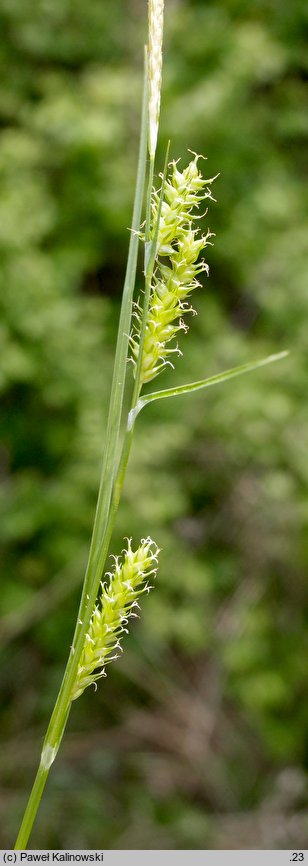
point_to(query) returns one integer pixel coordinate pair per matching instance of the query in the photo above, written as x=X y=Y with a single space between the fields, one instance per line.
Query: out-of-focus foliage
x=206 y=715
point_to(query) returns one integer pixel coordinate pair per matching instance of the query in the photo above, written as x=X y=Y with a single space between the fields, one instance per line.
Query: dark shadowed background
x=199 y=735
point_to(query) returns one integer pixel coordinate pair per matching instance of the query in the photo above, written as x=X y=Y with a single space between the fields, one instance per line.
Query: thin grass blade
x=202 y=383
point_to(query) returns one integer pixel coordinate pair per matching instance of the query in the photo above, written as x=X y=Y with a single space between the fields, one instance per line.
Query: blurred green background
x=199 y=735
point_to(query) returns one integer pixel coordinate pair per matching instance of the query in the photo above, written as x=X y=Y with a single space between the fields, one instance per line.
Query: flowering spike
x=156 y=23
x=179 y=245
x=117 y=604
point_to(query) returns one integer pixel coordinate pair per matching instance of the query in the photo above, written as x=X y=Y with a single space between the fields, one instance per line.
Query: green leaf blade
x=202 y=383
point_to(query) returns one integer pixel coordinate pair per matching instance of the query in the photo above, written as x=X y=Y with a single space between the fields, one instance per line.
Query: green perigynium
x=117 y=604
x=177 y=266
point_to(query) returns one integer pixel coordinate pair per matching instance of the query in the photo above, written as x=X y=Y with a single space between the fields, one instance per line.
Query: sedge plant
x=147 y=337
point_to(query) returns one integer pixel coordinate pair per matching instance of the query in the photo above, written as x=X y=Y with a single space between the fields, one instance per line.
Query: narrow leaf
x=203 y=383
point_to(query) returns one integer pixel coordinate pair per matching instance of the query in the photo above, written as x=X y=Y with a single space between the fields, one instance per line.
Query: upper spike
x=156 y=25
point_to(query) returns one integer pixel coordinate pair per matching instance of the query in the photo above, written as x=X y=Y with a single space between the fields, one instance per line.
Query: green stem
x=32 y=805
x=105 y=511
x=58 y=721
